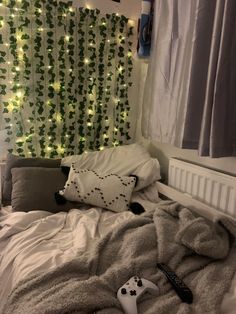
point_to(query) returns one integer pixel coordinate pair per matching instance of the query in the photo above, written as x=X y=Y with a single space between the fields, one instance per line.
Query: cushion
x=16 y=162
x=109 y=191
x=33 y=188
x=123 y=160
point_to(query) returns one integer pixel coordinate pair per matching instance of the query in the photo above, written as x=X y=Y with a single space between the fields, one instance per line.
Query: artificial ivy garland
x=65 y=75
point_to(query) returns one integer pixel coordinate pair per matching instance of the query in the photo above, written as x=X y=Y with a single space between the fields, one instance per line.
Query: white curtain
x=189 y=99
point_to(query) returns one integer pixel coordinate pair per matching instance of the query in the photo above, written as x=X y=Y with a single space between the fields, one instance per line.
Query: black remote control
x=180 y=287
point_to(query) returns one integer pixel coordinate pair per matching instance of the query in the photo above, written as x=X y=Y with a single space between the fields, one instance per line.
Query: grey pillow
x=17 y=161
x=33 y=188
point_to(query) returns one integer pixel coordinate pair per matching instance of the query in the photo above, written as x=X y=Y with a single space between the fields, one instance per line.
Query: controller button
x=139 y=283
x=123 y=291
x=132 y=292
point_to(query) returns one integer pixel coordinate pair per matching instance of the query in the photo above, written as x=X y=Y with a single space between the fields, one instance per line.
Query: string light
x=129 y=54
x=90 y=94
x=91 y=112
x=131 y=22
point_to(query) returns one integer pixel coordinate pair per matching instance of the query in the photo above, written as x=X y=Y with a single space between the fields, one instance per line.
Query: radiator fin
x=211 y=187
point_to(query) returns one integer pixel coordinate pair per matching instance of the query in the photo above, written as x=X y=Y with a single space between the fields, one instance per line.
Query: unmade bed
x=75 y=260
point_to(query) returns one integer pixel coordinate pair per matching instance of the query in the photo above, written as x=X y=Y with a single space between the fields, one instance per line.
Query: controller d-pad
x=132 y=292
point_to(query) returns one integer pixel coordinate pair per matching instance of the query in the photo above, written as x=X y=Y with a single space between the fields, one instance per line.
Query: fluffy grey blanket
x=201 y=252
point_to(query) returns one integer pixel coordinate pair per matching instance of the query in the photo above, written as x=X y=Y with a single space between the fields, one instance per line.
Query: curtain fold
x=190 y=98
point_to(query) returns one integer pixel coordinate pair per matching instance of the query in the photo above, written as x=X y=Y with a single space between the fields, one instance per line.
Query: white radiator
x=211 y=187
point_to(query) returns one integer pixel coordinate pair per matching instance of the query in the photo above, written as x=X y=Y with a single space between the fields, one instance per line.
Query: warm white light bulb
x=86 y=61
x=89 y=124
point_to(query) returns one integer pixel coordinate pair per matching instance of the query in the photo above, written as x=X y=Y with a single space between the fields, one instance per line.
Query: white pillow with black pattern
x=110 y=191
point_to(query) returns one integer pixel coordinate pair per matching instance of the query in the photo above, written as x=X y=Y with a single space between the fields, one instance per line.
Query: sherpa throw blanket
x=202 y=253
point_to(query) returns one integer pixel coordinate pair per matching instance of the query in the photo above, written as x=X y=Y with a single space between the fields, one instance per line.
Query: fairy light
x=129 y=54
x=108 y=40
x=6 y=44
x=19 y=94
x=40 y=29
x=120 y=69
x=86 y=60
x=89 y=124
x=90 y=111
x=71 y=9
x=101 y=148
x=115 y=143
x=115 y=129
x=49 y=148
x=67 y=38
x=49 y=66
x=17 y=69
x=58 y=117
x=131 y=22
x=12 y=15
x=8 y=62
x=105 y=136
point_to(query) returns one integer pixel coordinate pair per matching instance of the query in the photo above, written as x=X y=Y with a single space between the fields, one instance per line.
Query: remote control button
x=123 y=291
x=132 y=292
x=139 y=283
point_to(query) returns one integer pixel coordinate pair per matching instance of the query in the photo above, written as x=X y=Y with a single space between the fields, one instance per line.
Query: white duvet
x=35 y=241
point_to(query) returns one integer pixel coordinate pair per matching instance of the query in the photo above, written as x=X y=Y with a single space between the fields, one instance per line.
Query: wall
x=129 y=8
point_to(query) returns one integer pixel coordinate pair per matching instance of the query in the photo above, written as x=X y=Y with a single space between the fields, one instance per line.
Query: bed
x=74 y=258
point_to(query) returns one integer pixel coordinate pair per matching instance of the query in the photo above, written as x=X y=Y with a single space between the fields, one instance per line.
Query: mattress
x=38 y=240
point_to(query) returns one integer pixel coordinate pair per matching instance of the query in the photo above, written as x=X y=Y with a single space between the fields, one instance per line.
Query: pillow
x=15 y=162
x=123 y=160
x=109 y=191
x=33 y=188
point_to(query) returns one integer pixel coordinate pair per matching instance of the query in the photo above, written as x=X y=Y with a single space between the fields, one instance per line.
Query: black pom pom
x=60 y=199
x=136 y=208
x=65 y=170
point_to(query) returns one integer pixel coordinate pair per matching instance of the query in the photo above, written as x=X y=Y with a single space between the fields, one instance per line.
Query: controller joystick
x=132 y=290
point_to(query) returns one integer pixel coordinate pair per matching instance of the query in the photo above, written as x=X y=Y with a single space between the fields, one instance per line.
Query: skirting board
x=186 y=200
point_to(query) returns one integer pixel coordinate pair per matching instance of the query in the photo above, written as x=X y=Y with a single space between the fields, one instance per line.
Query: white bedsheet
x=35 y=241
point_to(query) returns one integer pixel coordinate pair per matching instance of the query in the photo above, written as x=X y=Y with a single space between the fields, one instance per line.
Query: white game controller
x=132 y=290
